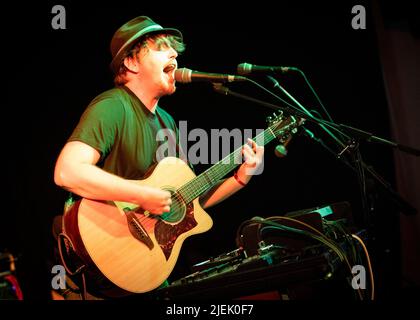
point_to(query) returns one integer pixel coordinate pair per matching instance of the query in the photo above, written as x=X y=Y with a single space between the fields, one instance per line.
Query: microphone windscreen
x=280 y=151
x=244 y=68
x=183 y=75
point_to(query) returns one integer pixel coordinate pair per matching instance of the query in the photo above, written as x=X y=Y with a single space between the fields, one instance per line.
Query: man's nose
x=173 y=53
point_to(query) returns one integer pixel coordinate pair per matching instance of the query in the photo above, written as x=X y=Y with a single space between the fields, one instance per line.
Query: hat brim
x=115 y=63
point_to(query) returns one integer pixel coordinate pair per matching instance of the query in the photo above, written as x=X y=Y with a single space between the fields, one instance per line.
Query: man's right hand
x=155 y=200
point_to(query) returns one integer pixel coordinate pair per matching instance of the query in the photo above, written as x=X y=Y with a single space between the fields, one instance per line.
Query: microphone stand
x=218 y=87
x=369 y=137
x=404 y=206
x=351 y=147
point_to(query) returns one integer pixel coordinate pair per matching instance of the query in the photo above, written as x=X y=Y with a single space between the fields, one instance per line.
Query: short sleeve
x=99 y=124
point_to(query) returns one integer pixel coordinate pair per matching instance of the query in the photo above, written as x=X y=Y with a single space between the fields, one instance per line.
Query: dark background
x=51 y=76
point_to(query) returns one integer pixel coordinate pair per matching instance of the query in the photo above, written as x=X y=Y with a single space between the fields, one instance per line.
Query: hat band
x=139 y=34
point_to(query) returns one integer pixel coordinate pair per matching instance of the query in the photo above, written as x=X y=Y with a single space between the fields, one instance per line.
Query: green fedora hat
x=128 y=34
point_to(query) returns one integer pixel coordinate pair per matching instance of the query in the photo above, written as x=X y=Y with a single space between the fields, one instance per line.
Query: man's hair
x=160 y=40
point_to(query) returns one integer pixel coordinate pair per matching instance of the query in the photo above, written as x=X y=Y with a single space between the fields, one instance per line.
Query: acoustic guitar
x=136 y=250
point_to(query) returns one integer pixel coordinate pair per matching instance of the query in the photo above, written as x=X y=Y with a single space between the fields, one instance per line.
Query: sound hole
x=178 y=208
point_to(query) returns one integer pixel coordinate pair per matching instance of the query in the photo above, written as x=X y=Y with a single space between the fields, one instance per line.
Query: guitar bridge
x=137 y=229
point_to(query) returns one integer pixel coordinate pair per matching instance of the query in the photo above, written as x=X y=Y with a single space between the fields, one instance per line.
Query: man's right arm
x=76 y=171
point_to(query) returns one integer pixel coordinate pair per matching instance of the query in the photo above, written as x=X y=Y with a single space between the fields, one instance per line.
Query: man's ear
x=131 y=64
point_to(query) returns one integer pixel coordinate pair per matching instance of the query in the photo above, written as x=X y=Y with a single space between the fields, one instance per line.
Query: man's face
x=157 y=64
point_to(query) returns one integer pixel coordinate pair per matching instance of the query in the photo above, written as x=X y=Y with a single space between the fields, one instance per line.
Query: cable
x=369 y=265
x=317 y=120
x=360 y=172
x=303 y=114
x=322 y=238
x=341 y=133
x=314 y=93
x=278 y=98
x=347 y=236
x=320 y=122
x=15 y=285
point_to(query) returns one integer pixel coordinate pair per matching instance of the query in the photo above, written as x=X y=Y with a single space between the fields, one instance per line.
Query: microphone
x=185 y=75
x=247 y=68
x=280 y=151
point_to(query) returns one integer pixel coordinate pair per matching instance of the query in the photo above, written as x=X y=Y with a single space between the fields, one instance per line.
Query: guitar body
x=117 y=248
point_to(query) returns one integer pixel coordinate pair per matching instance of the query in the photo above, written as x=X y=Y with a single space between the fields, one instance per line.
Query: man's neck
x=149 y=100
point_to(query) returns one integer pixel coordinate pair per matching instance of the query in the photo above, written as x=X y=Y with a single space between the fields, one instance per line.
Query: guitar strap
x=72 y=263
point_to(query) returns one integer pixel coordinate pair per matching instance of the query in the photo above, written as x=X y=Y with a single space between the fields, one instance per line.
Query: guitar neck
x=211 y=176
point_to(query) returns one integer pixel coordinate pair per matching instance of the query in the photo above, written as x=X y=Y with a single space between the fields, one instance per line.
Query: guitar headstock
x=282 y=126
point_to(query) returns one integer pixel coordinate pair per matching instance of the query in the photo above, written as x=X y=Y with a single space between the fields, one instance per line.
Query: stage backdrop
x=52 y=75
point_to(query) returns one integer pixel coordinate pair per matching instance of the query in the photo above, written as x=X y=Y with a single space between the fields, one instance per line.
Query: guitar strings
x=220 y=171
x=195 y=187
x=189 y=191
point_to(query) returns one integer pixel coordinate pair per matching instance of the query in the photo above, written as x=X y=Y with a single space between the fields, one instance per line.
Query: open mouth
x=169 y=68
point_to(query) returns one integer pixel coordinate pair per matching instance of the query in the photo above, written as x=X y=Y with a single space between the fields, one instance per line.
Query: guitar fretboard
x=211 y=176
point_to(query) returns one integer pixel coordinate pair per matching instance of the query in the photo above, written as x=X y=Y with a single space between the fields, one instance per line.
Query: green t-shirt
x=124 y=131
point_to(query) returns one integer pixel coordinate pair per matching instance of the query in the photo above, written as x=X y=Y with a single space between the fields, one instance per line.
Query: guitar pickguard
x=166 y=234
